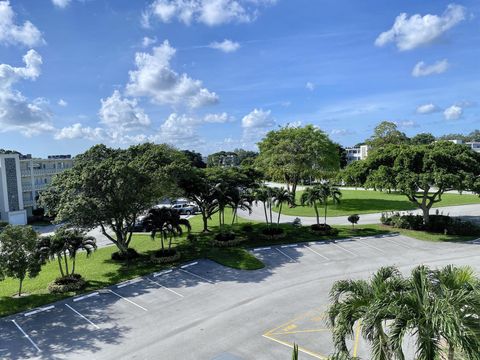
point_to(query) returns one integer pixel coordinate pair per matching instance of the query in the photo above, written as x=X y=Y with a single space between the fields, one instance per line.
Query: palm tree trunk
x=279 y=213
x=325 y=213
x=316 y=213
x=59 y=259
x=73 y=264
x=20 y=287
x=205 y=222
x=66 y=262
x=162 y=237
x=265 y=211
x=451 y=352
x=271 y=211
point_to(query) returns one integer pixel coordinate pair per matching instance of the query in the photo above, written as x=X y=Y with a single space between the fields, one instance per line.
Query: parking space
x=203 y=300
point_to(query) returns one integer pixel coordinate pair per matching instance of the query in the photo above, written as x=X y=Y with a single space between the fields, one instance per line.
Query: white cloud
x=122 y=114
x=62 y=103
x=147 y=41
x=341 y=132
x=310 y=86
x=208 y=12
x=13 y=34
x=406 y=124
x=422 y=69
x=427 y=109
x=179 y=128
x=77 y=131
x=258 y=118
x=155 y=79
x=62 y=4
x=220 y=118
x=17 y=112
x=411 y=32
x=227 y=46
x=454 y=112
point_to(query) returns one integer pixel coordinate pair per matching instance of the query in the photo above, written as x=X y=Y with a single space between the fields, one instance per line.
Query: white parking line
x=164 y=287
x=289 y=246
x=323 y=256
x=39 y=310
x=188 y=265
x=83 y=317
x=281 y=252
x=400 y=244
x=129 y=282
x=85 y=296
x=341 y=248
x=161 y=273
x=128 y=300
x=197 y=276
x=262 y=248
x=373 y=247
x=26 y=335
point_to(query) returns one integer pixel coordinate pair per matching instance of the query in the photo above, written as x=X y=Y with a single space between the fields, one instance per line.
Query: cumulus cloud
x=453 y=112
x=26 y=34
x=406 y=124
x=411 y=32
x=122 y=114
x=208 y=12
x=310 y=86
x=62 y=103
x=62 y=4
x=341 y=132
x=227 y=46
x=155 y=79
x=422 y=69
x=17 y=112
x=220 y=118
x=77 y=131
x=258 y=118
x=147 y=41
x=427 y=109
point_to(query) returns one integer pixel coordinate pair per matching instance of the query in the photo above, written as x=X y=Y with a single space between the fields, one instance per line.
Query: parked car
x=140 y=225
x=186 y=209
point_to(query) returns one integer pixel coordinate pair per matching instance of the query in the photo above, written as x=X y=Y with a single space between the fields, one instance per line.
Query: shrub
x=65 y=284
x=38 y=212
x=165 y=256
x=131 y=254
x=192 y=239
x=323 y=229
x=297 y=222
x=247 y=228
x=225 y=236
x=353 y=219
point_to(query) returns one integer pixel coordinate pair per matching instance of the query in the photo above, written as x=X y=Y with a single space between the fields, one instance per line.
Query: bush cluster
x=442 y=224
x=65 y=284
x=323 y=229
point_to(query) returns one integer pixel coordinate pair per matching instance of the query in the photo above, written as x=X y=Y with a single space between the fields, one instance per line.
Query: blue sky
x=217 y=74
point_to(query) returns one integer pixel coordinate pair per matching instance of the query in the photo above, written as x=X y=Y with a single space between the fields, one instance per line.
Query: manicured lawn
x=101 y=271
x=367 y=201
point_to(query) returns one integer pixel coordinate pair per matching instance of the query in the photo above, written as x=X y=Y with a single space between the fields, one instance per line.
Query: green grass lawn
x=367 y=201
x=100 y=271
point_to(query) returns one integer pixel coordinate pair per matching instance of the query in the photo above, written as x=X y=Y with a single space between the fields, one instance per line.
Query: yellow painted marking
x=305 y=351
x=357 y=337
x=289 y=327
x=299 y=331
x=291 y=321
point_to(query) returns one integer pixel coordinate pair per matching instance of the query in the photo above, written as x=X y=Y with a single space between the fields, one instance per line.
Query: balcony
x=40 y=172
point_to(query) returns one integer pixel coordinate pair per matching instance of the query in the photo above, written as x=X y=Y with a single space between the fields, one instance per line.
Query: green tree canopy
x=422 y=139
x=18 y=253
x=423 y=173
x=291 y=154
x=110 y=188
x=386 y=133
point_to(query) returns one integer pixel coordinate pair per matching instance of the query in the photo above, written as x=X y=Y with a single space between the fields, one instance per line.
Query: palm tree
x=240 y=199
x=64 y=245
x=280 y=197
x=311 y=197
x=168 y=223
x=441 y=308
x=264 y=194
x=223 y=194
x=327 y=191
x=366 y=301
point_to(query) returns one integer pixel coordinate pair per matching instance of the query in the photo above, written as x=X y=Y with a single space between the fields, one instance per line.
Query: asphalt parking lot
x=203 y=310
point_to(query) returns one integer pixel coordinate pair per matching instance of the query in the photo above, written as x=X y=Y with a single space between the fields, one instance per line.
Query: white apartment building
x=357 y=153
x=474 y=145
x=32 y=176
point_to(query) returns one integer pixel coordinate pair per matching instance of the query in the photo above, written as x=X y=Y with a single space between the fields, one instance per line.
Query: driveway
x=467 y=212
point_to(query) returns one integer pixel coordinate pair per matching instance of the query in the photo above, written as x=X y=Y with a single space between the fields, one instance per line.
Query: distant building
x=474 y=145
x=22 y=178
x=357 y=153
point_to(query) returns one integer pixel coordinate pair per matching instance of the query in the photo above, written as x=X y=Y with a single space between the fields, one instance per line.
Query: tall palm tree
x=240 y=199
x=327 y=190
x=281 y=196
x=168 y=223
x=441 y=309
x=264 y=194
x=63 y=245
x=223 y=194
x=368 y=302
x=312 y=197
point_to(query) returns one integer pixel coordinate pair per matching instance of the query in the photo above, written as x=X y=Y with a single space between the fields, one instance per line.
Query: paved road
x=468 y=212
x=207 y=311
